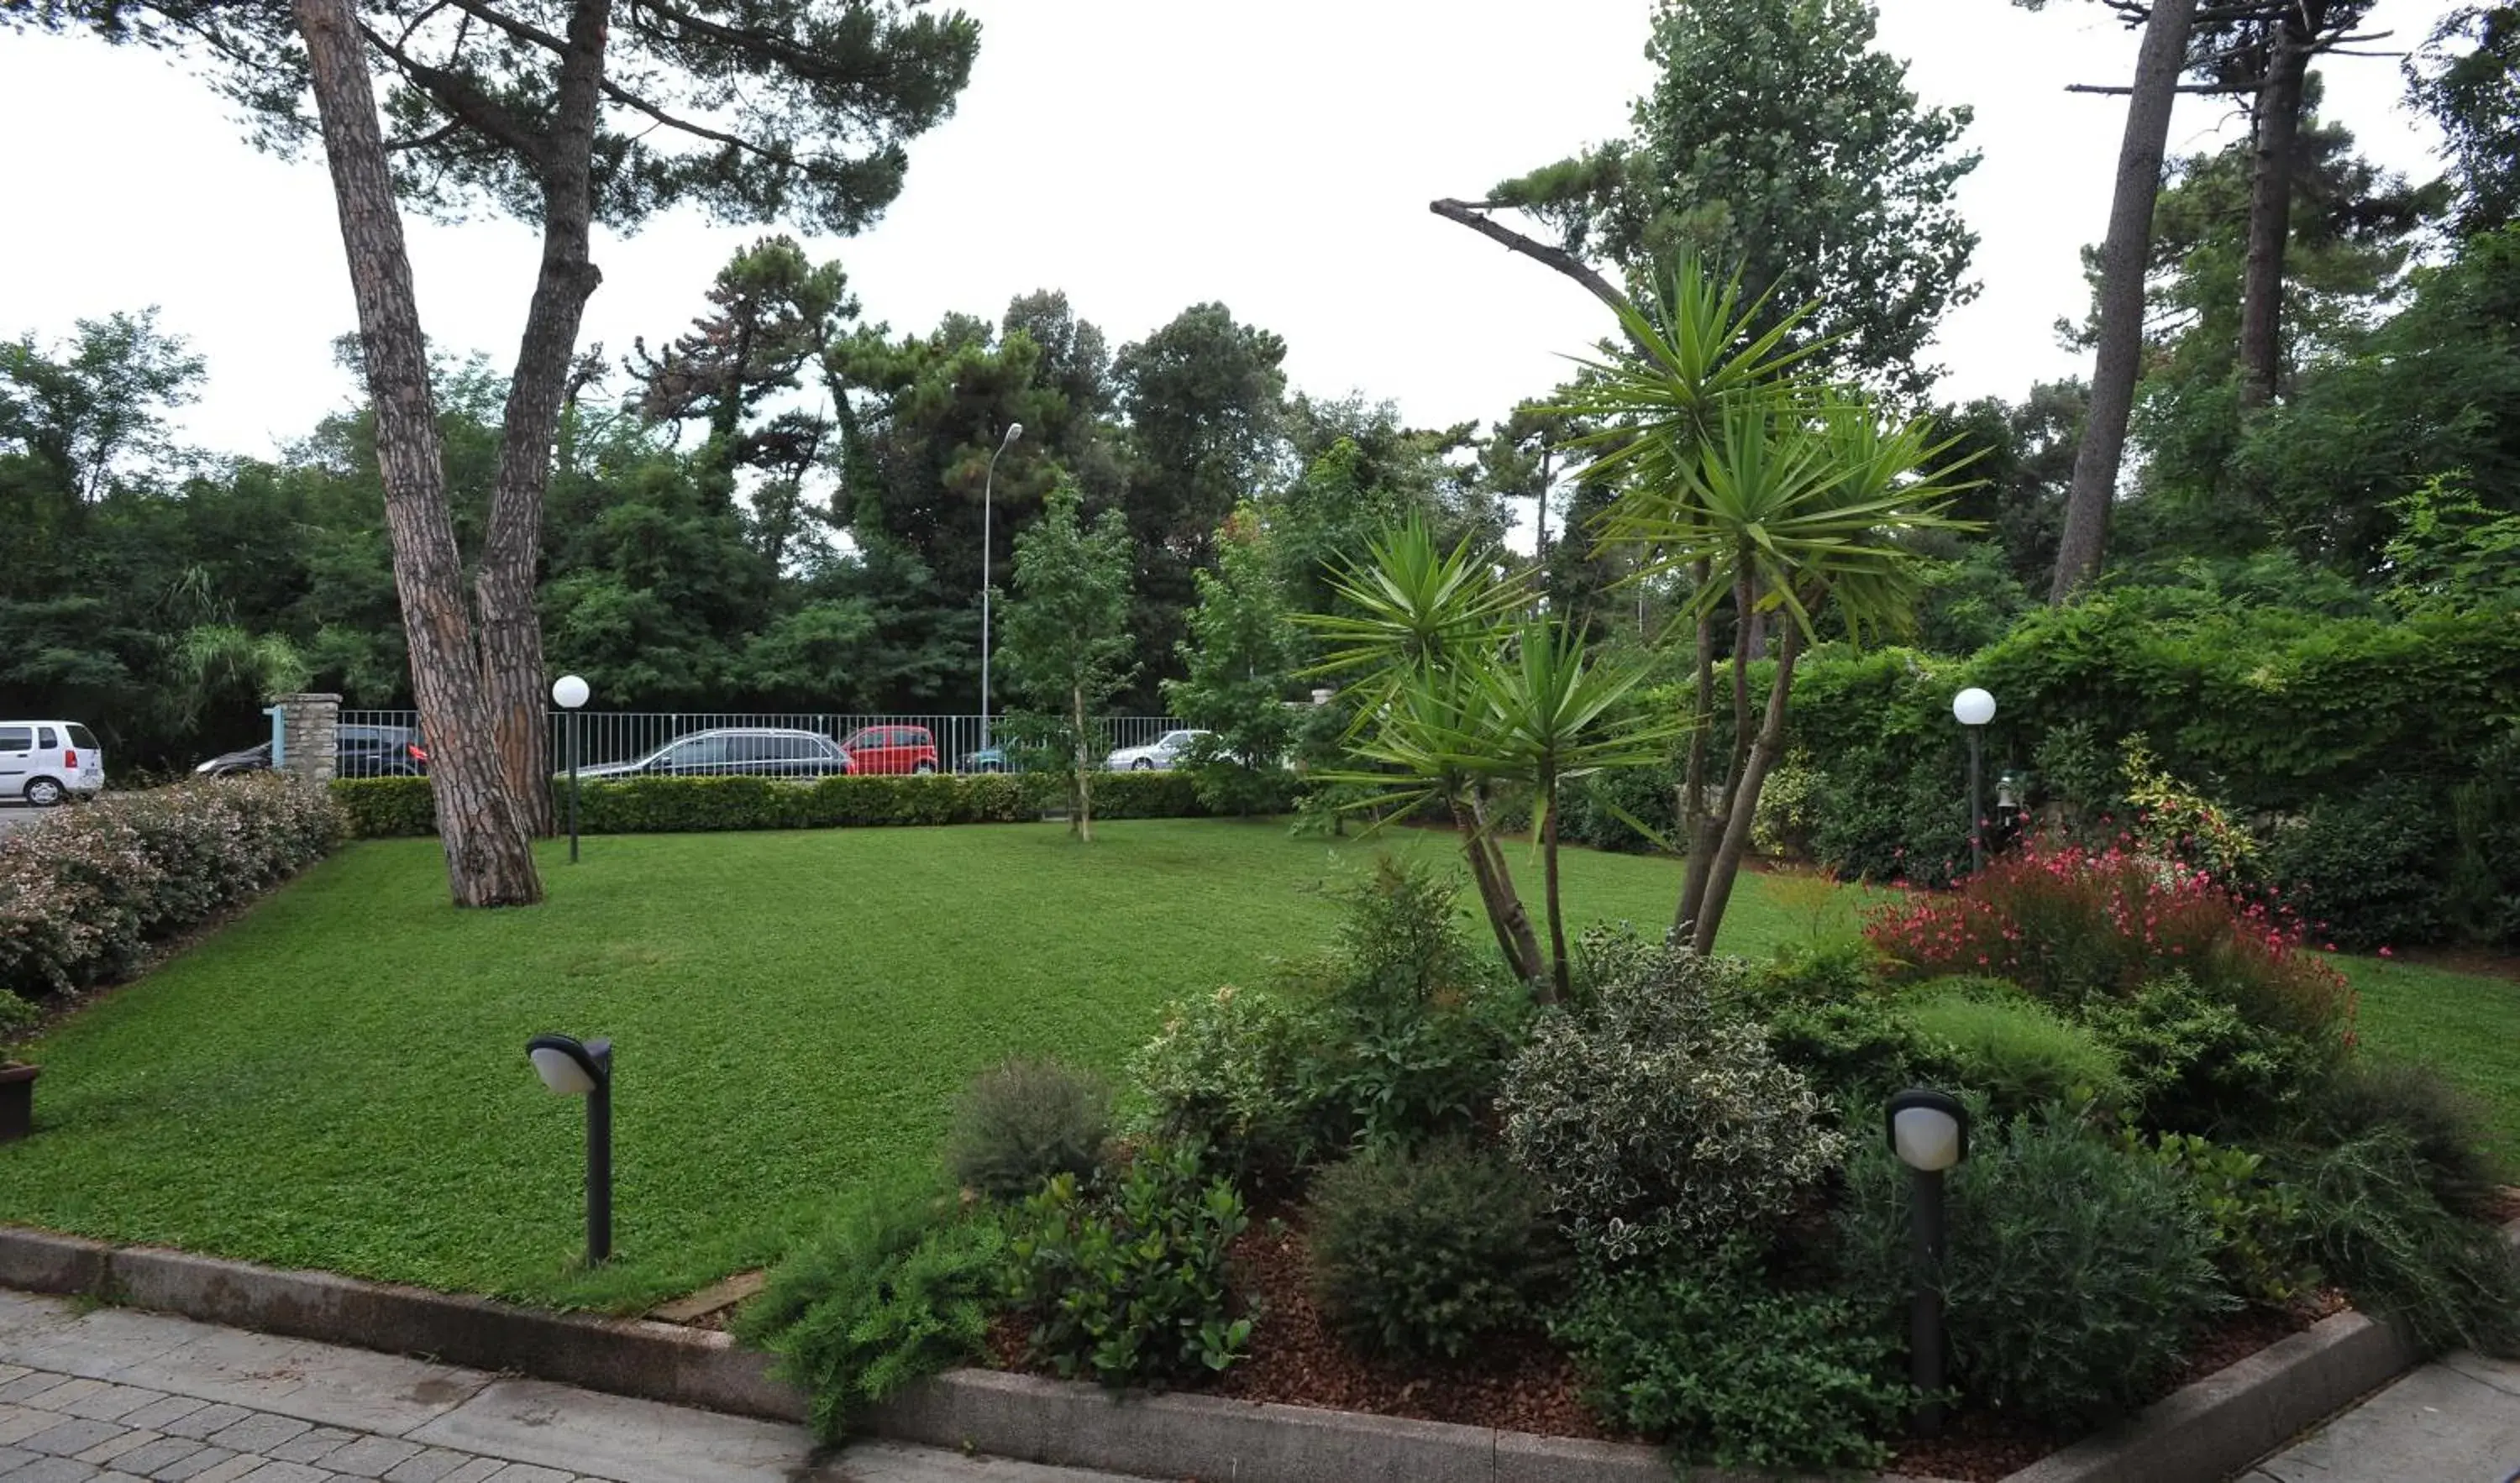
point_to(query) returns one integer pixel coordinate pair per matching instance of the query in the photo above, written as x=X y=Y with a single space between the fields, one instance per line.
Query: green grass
x=338 y=1080
x=2464 y=1027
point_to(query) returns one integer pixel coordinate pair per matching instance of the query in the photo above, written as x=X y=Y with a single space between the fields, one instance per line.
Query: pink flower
x=2385 y=953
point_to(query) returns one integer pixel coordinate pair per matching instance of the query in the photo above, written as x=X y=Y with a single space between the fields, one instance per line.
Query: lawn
x=338 y=1080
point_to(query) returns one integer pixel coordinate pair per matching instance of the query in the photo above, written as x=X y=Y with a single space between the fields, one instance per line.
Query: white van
x=46 y=761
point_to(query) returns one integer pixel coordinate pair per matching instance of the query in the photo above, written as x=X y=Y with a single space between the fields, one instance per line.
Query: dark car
x=736 y=751
x=377 y=751
x=252 y=759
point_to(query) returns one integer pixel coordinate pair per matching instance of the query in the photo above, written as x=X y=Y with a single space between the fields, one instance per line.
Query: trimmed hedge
x=81 y=897
x=387 y=807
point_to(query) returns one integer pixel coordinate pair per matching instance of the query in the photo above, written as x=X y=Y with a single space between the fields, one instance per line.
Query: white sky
x=1142 y=154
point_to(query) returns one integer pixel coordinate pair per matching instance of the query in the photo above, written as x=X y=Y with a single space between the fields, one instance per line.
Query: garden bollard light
x=1929 y=1132
x=574 y=1068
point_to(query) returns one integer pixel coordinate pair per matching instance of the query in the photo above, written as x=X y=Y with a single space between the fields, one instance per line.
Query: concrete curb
x=2204 y=1432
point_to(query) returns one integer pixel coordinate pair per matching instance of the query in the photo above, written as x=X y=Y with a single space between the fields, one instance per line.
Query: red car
x=891 y=749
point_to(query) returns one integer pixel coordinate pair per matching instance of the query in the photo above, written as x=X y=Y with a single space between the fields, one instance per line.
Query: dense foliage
x=82 y=898
x=1432 y=1252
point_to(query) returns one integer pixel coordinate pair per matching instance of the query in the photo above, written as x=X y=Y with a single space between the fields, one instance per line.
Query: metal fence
x=619 y=736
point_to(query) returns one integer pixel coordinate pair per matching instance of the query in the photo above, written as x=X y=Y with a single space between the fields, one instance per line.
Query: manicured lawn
x=2463 y=1026
x=338 y=1079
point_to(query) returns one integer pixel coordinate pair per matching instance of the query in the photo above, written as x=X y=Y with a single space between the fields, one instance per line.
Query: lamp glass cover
x=570 y=690
x=1973 y=706
x=1926 y=1137
x=560 y=1071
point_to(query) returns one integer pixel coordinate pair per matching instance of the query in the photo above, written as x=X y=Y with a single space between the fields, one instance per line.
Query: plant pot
x=17 y=1100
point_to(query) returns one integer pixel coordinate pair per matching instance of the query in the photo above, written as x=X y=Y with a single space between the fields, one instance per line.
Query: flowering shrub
x=2071 y=925
x=1654 y=1115
x=83 y=896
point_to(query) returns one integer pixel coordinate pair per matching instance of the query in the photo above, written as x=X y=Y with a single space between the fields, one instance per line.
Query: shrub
x=386 y=807
x=1788 y=813
x=1828 y=1016
x=2073 y=1274
x=1424 y=1253
x=1710 y=1359
x=2019 y=1053
x=2368 y=866
x=1654 y=1115
x=1220 y=1076
x=1227 y=786
x=1023 y=1121
x=81 y=898
x=2445 y=1128
x=2174 y=821
x=1130 y=1286
x=2196 y=1064
x=2261 y=1232
x=899 y=1286
x=2381 y=1234
x=1633 y=809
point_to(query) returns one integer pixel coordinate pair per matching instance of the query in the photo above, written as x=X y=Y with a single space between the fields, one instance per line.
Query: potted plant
x=16 y=1078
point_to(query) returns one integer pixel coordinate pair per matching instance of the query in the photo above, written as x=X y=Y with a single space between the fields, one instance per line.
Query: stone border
x=2203 y=1432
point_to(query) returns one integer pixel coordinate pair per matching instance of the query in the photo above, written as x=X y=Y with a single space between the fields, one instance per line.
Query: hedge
x=83 y=896
x=386 y=807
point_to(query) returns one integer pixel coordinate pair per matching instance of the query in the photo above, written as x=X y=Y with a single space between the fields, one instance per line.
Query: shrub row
x=81 y=897
x=389 y=807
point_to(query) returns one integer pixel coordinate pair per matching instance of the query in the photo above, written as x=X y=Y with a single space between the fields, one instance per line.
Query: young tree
x=1067 y=639
x=562 y=115
x=1241 y=656
x=1777 y=138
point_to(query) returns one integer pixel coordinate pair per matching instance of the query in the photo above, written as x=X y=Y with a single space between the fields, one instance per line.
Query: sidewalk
x=107 y=1395
x=2457 y=1421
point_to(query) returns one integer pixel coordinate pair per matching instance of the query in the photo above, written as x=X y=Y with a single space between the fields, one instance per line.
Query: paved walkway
x=2454 y=1421
x=106 y=1395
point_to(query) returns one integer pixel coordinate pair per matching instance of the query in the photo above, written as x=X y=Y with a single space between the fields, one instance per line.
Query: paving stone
x=67 y=1394
x=312 y=1447
x=182 y=1469
x=72 y=1436
x=113 y=1447
x=371 y=1457
x=18 y=1423
x=232 y=1469
x=30 y=1383
x=11 y=1457
x=154 y=1415
x=146 y=1459
x=287 y=1472
x=204 y=1421
x=431 y=1467
x=259 y=1432
x=9 y=1373
x=112 y=1403
x=527 y=1472
x=474 y=1471
x=55 y=1470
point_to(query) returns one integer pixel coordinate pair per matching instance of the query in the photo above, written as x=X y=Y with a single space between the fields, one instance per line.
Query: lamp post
x=1973 y=708
x=1929 y=1132
x=584 y=1068
x=569 y=693
x=988 y=491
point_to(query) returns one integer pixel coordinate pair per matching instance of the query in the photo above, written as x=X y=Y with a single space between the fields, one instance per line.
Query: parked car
x=737 y=752
x=1157 y=756
x=47 y=761
x=252 y=759
x=988 y=759
x=377 y=751
x=891 y=750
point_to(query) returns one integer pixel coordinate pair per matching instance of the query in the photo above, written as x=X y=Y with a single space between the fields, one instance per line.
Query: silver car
x=736 y=751
x=1156 y=756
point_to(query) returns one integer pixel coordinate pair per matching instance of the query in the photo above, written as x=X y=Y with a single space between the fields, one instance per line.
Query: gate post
x=312 y=723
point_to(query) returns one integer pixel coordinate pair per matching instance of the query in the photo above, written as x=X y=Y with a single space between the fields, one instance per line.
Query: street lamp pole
x=571 y=692
x=988 y=491
x=1973 y=708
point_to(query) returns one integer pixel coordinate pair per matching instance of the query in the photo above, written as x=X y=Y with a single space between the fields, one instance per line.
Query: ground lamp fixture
x=1929 y=1132
x=1973 y=708
x=584 y=1068
x=568 y=693
x=988 y=488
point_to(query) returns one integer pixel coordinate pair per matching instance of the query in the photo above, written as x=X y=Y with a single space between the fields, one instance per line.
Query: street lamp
x=569 y=693
x=988 y=490
x=1929 y=1132
x=575 y=1068
x=1973 y=708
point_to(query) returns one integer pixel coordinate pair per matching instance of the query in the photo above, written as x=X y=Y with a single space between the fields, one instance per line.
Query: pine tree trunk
x=2270 y=176
x=489 y=856
x=512 y=635
x=2123 y=259
x=1745 y=794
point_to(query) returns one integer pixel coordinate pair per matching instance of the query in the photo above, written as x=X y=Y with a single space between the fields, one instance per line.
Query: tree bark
x=2271 y=179
x=1504 y=909
x=1515 y=923
x=511 y=627
x=489 y=856
x=1558 y=973
x=2123 y=259
x=1744 y=804
x=1696 y=821
x=1081 y=823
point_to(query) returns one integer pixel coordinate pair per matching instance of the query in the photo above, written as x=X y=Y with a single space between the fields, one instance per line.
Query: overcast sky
x=1142 y=154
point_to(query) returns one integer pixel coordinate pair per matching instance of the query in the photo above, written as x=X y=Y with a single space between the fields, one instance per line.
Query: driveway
x=18 y=815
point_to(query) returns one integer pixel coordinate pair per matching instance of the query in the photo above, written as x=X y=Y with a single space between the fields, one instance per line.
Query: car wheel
x=1143 y=765
x=924 y=768
x=43 y=792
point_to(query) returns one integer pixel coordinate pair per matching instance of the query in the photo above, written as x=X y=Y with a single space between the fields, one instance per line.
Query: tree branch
x=462 y=100
x=1466 y=213
x=534 y=35
x=2194 y=87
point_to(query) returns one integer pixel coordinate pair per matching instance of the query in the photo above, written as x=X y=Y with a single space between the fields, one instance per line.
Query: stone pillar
x=312 y=725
